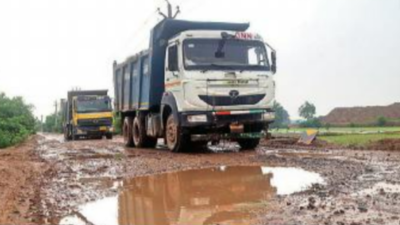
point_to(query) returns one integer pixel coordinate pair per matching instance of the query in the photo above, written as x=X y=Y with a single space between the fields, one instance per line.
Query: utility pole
x=56 y=114
x=41 y=123
x=170 y=14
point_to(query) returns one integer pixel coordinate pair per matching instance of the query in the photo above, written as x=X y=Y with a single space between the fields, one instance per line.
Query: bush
x=16 y=120
x=50 y=125
x=311 y=123
x=381 y=121
x=117 y=124
x=282 y=118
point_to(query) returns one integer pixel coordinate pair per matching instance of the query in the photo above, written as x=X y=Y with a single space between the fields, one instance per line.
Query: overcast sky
x=330 y=52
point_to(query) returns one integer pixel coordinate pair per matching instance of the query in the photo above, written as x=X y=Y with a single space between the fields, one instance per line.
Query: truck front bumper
x=233 y=125
x=90 y=130
x=225 y=118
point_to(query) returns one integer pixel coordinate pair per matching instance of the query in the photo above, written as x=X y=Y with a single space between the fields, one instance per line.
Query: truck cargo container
x=87 y=114
x=198 y=82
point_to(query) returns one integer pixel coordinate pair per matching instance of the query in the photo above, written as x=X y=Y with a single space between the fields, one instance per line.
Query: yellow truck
x=87 y=114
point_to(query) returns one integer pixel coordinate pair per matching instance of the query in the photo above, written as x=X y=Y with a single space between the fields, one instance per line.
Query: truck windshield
x=219 y=54
x=93 y=105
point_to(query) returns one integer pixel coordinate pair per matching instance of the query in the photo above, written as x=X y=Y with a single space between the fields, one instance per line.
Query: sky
x=333 y=53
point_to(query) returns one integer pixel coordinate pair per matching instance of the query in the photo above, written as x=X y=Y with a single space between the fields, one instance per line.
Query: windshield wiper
x=217 y=65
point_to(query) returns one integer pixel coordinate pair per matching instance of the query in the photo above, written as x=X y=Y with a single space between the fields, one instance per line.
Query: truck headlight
x=269 y=116
x=197 y=118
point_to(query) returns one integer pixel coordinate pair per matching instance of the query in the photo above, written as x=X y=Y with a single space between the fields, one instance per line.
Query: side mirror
x=273 y=60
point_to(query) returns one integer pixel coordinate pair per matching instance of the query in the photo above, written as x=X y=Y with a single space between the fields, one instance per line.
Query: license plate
x=103 y=128
x=237 y=128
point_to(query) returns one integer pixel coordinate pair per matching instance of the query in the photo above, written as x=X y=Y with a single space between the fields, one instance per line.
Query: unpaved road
x=47 y=181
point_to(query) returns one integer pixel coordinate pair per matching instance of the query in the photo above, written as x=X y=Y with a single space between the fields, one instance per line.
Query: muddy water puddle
x=224 y=195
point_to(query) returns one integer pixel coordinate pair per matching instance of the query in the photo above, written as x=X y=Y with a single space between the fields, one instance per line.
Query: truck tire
x=67 y=136
x=140 y=138
x=249 y=144
x=127 y=132
x=175 y=139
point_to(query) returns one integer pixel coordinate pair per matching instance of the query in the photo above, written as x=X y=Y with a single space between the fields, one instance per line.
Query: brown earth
x=21 y=172
x=48 y=179
x=361 y=115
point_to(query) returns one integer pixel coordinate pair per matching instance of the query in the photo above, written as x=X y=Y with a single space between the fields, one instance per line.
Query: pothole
x=207 y=196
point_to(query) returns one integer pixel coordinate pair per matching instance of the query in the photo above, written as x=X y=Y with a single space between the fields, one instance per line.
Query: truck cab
x=219 y=71
x=88 y=114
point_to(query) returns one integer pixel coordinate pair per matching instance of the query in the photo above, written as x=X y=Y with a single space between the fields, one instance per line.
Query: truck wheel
x=127 y=132
x=176 y=140
x=248 y=144
x=67 y=137
x=140 y=138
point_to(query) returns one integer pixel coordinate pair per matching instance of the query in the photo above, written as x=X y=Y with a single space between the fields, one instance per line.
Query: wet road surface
x=102 y=182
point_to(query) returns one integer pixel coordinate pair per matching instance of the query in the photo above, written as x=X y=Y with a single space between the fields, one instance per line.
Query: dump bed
x=139 y=81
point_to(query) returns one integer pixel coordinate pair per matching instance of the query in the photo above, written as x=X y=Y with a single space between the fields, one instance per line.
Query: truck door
x=172 y=78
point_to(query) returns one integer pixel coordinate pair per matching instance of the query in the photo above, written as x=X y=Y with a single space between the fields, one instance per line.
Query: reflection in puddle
x=209 y=196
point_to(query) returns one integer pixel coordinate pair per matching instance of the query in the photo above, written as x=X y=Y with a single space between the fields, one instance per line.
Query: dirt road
x=102 y=182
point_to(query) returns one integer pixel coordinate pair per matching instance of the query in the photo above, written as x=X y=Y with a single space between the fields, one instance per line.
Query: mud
x=22 y=172
x=76 y=180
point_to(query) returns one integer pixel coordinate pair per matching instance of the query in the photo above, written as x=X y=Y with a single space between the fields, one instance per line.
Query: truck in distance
x=87 y=114
x=198 y=82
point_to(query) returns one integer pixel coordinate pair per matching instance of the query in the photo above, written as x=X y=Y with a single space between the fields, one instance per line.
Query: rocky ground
x=46 y=179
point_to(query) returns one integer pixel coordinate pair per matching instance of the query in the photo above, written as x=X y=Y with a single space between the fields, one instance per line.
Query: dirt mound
x=386 y=144
x=292 y=143
x=362 y=115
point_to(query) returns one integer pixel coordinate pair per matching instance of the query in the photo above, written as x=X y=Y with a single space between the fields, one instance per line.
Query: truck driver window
x=92 y=104
x=256 y=57
x=200 y=54
x=173 y=58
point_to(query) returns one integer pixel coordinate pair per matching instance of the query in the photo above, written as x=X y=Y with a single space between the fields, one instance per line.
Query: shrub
x=16 y=120
x=117 y=123
x=381 y=121
x=311 y=123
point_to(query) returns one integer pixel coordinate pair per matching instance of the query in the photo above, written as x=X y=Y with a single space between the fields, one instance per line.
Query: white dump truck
x=198 y=83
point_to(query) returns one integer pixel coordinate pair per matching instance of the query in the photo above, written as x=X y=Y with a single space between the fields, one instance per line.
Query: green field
x=341 y=130
x=357 y=139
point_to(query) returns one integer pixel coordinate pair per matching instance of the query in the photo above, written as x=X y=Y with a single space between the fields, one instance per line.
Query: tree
x=16 y=120
x=307 y=110
x=50 y=125
x=311 y=123
x=381 y=121
x=282 y=118
x=328 y=126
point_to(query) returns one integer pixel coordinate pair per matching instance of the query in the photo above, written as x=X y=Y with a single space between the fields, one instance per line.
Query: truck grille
x=229 y=101
x=95 y=122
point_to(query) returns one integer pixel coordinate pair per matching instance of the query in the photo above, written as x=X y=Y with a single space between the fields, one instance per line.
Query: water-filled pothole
x=208 y=196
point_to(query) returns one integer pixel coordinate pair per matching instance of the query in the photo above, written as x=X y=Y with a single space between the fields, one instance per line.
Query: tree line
x=17 y=121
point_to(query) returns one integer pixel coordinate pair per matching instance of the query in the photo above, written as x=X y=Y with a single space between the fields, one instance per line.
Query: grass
x=358 y=139
x=341 y=130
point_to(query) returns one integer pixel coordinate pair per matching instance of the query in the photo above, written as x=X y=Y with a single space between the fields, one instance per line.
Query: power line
x=194 y=7
x=138 y=30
